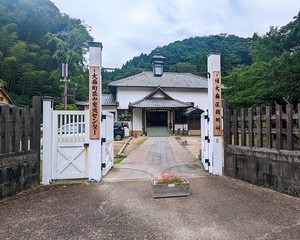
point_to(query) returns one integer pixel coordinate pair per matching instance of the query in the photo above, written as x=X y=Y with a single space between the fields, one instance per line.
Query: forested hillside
x=190 y=55
x=274 y=76
x=35 y=39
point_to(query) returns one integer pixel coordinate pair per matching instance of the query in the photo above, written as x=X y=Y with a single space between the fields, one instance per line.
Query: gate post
x=215 y=126
x=95 y=93
x=47 y=140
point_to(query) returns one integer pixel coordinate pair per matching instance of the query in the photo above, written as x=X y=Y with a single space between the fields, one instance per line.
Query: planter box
x=170 y=190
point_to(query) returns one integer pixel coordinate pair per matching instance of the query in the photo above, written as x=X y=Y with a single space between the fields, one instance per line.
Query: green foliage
x=60 y=106
x=274 y=77
x=190 y=55
x=169 y=178
x=35 y=39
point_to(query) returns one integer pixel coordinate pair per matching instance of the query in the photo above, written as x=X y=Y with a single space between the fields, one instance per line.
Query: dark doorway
x=157 y=119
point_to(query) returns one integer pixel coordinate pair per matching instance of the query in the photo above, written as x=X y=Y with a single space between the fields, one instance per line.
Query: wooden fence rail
x=20 y=128
x=263 y=127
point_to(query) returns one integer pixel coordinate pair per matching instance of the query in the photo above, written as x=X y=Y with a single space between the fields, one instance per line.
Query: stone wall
x=18 y=172
x=277 y=169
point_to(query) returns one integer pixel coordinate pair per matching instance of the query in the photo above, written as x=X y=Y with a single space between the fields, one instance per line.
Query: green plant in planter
x=170 y=185
x=169 y=178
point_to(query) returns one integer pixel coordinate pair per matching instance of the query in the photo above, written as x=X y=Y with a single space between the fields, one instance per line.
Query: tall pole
x=95 y=83
x=215 y=125
x=64 y=73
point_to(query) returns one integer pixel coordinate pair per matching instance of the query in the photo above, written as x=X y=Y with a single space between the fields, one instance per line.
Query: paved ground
x=218 y=207
x=154 y=156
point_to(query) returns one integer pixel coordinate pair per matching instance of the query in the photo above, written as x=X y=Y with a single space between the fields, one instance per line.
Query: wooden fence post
x=289 y=126
x=7 y=129
x=17 y=130
x=235 y=127
x=36 y=104
x=250 y=124
x=24 y=129
x=259 y=127
x=278 y=127
x=227 y=130
x=243 y=129
x=269 y=127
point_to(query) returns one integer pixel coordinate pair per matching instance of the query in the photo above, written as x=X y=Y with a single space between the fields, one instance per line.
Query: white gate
x=66 y=144
x=69 y=141
x=205 y=140
x=107 y=142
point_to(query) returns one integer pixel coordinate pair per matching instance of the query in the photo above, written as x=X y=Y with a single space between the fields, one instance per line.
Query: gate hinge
x=207 y=139
x=103 y=165
x=103 y=140
x=206 y=117
x=207 y=161
x=103 y=116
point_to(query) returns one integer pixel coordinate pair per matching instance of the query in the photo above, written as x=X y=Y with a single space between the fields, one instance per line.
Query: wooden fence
x=269 y=127
x=20 y=128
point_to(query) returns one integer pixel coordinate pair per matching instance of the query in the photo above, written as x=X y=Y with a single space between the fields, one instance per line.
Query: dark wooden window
x=180 y=118
x=124 y=115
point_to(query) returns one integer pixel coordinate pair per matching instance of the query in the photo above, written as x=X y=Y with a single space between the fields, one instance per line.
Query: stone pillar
x=215 y=158
x=95 y=98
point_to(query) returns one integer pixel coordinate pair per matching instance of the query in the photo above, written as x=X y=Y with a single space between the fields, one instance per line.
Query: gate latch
x=86 y=145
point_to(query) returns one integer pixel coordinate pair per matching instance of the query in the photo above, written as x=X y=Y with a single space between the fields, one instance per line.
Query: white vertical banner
x=95 y=97
x=214 y=113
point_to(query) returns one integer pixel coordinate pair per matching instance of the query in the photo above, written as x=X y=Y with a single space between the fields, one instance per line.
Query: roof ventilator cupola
x=157 y=62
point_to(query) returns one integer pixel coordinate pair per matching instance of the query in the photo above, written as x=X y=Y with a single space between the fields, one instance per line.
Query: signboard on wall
x=94 y=102
x=217 y=104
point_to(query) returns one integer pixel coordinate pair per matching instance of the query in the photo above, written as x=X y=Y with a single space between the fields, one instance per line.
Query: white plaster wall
x=198 y=96
x=137 y=119
x=111 y=109
x=126 y=95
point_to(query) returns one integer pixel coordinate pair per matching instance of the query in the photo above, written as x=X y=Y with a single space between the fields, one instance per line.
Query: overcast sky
x=128 y=28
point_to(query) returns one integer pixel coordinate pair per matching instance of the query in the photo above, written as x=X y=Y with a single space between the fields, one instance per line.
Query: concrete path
x=219 y=208
x=154 y=156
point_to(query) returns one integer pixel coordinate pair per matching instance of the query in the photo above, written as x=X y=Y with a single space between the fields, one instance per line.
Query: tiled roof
x=107 y=100
x=163 y=101
x=168 y=79
x=193 y=110
x=159 y=103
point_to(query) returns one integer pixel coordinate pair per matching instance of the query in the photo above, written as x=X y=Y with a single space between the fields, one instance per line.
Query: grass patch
x=140 y=142
x=119 y=158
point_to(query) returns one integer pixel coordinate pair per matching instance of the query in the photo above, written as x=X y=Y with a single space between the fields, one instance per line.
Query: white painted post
x=47 y=140
x=215 y=145
x=95 y=61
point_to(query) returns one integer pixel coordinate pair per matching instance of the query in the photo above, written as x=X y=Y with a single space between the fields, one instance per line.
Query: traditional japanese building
x=5 y=98
x=170 y=101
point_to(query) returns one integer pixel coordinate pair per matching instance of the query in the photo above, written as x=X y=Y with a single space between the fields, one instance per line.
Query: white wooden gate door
x=205 y=140
x=70 y=138
x=107 y=135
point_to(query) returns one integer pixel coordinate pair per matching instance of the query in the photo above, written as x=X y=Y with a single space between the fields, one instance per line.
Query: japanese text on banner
x=94 y=102
x=217 y=105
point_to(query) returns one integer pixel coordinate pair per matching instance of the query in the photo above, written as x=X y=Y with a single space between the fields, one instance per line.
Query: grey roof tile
x=159 y=103
x=107 y=100
x=168 y=79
